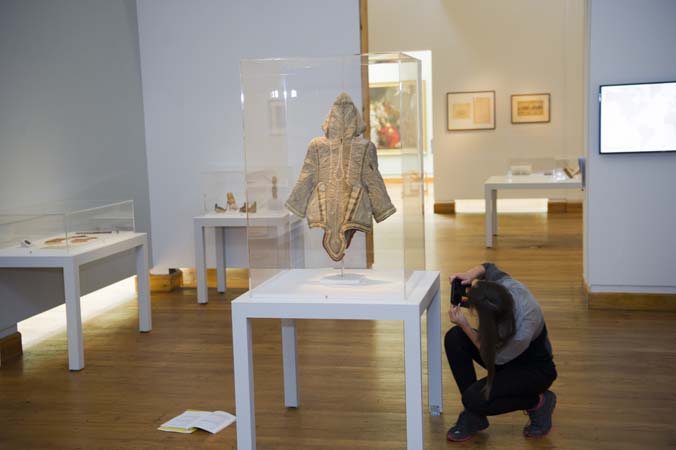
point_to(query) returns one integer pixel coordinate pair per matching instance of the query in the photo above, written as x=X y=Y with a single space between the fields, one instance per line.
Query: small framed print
x=471 y=110
x=530 y=108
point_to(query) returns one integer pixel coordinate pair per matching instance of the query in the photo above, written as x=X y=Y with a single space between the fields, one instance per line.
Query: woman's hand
x=457 y=317
x=468 y=276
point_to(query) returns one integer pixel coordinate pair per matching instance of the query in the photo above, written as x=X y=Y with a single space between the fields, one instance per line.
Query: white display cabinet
x=50 y=259
x=285 y=105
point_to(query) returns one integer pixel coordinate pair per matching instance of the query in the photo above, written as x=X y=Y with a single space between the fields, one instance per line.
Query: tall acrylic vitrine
x=313 y=176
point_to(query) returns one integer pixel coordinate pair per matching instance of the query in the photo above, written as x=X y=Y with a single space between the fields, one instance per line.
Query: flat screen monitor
x=638 y=118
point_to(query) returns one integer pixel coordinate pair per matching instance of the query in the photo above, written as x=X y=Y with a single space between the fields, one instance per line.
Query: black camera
x=459 y=292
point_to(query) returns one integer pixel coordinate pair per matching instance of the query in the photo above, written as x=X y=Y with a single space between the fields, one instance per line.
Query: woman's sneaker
x=541 y=417
x=468 y=425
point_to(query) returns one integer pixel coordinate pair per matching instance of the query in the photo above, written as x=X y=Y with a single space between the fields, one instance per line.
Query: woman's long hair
x=495 y=307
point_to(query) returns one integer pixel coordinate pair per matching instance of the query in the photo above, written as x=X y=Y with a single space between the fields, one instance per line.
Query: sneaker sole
x=450 y=439
x=535 y=436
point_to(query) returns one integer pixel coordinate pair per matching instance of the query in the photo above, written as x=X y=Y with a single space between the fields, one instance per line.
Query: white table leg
x=494 y=210
x=219 y=233
x=200 y=265
x=290 y=357
x=244 y=384
x=145 y=322
x=434 y=383
x=489 y=215
x=413 y=363
x=71 y=285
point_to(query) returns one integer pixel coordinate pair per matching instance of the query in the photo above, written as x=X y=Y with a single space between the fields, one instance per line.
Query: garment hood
x=344 y=120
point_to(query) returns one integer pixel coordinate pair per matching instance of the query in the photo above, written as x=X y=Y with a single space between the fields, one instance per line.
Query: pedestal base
x=345 y=278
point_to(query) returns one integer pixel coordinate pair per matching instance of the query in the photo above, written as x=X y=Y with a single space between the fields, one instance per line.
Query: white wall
x=631 y=211
x=519 y=46
x=190 y=53
x=71 y=111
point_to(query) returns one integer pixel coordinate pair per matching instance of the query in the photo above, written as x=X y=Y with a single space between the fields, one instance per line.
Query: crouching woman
x=511 y=343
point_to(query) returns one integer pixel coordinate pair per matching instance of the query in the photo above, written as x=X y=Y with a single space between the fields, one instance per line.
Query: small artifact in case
x=232 y=203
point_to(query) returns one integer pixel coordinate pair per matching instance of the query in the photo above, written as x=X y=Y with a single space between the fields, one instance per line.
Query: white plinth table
x=97 y=263
x=221 y=222
x=300 y=294
x=533 y=181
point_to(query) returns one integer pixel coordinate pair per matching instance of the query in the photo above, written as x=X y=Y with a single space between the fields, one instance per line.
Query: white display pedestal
x=296 y=299
x=220 y=222
x=31 y=282
x=534 y=181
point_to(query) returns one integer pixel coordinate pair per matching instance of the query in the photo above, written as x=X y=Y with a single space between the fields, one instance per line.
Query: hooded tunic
x=339 y=187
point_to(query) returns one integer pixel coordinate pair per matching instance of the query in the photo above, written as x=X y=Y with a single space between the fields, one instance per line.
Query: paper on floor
x=190 y=420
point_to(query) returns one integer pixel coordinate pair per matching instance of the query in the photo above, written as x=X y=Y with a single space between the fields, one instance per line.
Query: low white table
x=533 y=181
x=27 y=278
x=220 y=222
x=298 y=294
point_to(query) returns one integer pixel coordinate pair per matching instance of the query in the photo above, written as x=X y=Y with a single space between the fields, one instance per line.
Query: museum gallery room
x=344 y=225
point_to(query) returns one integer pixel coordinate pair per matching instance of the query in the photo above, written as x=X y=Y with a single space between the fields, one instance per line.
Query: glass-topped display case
x=314 y=191
x=559 y=168
x=223 y=191
x=58 y=234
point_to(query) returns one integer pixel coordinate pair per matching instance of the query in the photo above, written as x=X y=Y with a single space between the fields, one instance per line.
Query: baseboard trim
x=235 y=278
x=563 y=206
x=164 y=282
x=629 y=301
x=399 y=180
x=444 y=208
x=10 y=348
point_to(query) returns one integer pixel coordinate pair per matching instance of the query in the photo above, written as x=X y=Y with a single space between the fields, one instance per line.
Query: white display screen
x=638 y=118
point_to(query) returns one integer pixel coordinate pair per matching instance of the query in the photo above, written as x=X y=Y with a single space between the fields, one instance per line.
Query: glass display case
x=223 y=191
x=44 y=234
x=313 y=189
x=560 y=168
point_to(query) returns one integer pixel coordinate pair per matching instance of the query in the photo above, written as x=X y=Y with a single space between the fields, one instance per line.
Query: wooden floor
x=616 y=387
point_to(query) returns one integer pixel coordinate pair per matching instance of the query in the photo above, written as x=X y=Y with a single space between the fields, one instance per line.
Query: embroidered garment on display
x=340 y=188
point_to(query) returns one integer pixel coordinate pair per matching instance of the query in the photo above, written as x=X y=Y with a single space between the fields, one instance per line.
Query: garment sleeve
x=381 y=204
x=493 y=273
x=300 y=195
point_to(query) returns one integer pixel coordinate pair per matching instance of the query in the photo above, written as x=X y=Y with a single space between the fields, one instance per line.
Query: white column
x=413 y=368
x=219 y=234
x=290 y=357
x=245 y=409
x=71 y=286
x=434 y=358
x=145 y=322
x=200 y=264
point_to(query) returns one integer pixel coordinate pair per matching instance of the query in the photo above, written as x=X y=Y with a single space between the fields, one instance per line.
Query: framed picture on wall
x=392 y=131
x=530 y=108
x=471 y=110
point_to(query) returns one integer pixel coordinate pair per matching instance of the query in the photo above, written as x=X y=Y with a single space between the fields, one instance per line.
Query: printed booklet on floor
x=191 y=420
